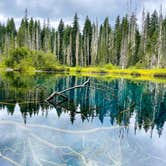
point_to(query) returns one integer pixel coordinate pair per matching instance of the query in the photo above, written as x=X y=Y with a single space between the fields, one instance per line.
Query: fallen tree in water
x=68 y=89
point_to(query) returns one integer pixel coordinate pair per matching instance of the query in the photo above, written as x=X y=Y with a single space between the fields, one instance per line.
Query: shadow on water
x=118 y=100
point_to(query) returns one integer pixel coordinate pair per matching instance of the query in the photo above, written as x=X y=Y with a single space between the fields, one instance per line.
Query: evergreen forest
x=125 y=44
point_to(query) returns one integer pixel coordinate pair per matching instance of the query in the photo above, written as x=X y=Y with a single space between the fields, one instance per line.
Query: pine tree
x=21 y=34
x=103 y=49
x=2 y=37
x=37 y=30
x=117 y=40
x=32 y=34
x=87 y=38
x=60 y=41
x=75 y=30
x=10 y=34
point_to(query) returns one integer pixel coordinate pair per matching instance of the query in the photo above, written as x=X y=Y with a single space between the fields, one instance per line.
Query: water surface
x=117 y=122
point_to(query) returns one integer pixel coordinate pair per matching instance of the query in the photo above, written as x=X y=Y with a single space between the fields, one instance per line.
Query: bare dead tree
x=68 y=89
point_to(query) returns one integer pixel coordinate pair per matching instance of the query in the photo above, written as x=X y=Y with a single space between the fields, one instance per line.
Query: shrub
x=23 y=59
x=110 y=66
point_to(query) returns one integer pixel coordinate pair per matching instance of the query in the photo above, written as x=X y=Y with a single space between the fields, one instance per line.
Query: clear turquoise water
x=116 y=122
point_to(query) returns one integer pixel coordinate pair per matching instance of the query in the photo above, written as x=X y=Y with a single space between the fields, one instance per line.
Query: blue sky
x=65 y=9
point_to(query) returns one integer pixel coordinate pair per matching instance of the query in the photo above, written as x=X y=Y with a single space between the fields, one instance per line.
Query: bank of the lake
x=116 y=71
x=96 y=70
x=155 y=75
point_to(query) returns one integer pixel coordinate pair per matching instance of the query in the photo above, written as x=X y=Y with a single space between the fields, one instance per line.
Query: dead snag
x=60 y=93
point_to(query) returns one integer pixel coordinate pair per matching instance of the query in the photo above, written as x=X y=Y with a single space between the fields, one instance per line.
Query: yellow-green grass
x=116 y=71
x=109 y=72
x=155 y=75
x=110 y=77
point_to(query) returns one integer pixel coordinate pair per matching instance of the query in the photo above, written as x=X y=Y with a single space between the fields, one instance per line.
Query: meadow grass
x=106 y=72
x=116 y=71
x=155 y=75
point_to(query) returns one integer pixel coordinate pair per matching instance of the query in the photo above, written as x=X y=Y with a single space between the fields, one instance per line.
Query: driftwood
x=61 y=92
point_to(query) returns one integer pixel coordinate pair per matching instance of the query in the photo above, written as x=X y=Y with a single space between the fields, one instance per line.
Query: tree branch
x=60 y=93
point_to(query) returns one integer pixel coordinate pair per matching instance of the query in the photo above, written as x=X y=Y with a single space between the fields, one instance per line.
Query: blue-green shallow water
x=116 y=122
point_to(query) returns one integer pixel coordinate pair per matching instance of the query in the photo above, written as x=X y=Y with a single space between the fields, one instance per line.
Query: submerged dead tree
x=68 y=89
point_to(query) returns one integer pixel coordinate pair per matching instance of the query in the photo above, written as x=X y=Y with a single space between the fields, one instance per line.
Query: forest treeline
x=123 y=44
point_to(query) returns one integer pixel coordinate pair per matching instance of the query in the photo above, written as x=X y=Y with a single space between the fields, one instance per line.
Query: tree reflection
x=120 y=100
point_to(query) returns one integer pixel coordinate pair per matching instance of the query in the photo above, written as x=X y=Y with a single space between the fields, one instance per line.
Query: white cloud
x=3 y=18
x=65 y=9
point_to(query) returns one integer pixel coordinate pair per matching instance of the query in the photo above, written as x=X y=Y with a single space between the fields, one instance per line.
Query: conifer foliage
x=123 y=44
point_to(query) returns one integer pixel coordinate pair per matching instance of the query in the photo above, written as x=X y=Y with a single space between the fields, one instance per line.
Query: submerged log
x=61 y=92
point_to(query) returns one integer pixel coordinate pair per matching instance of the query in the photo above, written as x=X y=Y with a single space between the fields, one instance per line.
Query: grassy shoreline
x=92 y=71
x=131 y=72
x=27 y=61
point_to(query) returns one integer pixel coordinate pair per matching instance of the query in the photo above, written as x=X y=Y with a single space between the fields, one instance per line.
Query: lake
x=109 y=122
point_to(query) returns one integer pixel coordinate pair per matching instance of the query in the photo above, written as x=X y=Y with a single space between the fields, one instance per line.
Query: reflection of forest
x=120 y=99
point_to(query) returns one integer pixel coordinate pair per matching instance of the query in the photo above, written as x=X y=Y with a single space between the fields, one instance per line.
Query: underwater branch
x=68 y=89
